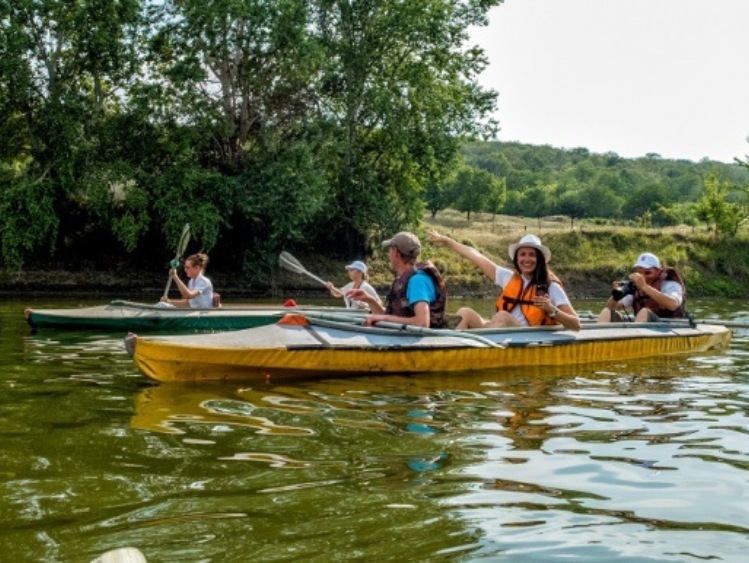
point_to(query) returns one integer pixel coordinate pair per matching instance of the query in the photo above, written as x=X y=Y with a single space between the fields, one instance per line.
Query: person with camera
x=653 y=293
x=531 y=294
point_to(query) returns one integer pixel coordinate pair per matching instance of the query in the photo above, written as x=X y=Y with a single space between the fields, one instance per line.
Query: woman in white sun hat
x=531 y=294
x=357 y=272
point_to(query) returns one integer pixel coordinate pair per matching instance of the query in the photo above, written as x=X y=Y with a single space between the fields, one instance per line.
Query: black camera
x=542 y=289
x=622 y=289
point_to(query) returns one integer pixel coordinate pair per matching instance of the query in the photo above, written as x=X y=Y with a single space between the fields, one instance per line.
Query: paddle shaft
x=732 y=324
x=590 y=317
x=168 y=287
x=318 y=279
x=181 y=246
x=357 y=320
x=438 y=332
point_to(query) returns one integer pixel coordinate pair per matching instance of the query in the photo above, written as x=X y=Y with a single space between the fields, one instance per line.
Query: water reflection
x=634 y=461
x=622 y=453
x=164 y=409
x=637 y=454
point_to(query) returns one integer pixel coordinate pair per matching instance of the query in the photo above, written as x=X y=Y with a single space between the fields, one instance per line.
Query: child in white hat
x=357 y=272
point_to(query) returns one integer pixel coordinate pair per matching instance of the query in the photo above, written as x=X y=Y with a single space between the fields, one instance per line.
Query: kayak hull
x=131 y=316
x=307 y=351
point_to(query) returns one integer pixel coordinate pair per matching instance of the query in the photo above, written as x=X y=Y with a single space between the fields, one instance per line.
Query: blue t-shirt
x=421 y=288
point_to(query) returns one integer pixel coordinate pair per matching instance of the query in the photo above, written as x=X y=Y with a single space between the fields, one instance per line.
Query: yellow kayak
x=305 y=346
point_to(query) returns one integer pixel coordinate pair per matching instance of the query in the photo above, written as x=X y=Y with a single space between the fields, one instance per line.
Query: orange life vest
x=513 y=295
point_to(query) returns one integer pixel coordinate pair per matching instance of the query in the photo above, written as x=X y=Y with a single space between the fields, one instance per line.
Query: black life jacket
x=640 y=300
x=397 y=299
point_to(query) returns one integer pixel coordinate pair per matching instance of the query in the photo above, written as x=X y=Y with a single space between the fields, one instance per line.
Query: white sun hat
x=530 y=241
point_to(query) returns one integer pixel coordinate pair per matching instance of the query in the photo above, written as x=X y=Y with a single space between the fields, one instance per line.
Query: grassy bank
x=589 y=257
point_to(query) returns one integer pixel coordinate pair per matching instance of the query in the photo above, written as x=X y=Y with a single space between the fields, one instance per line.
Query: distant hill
x=543 y=180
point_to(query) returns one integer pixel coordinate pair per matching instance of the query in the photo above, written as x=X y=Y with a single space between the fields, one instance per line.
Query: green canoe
x=131 y=316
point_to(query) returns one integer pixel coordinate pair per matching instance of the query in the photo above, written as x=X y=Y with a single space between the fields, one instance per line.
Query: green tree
x=572 y=204
x=471 y=188
x=437 y=197
x=648 y=197
x=233 y=90
x=62 y=69
x=515 y=203
x=242 y=71
x=599 y=201
x=667 y=216
x=497 y=195
x=400 y=93
x=715 y=209
x=538 y=200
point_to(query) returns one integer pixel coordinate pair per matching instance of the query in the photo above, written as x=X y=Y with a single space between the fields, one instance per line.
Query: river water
x=645 y=461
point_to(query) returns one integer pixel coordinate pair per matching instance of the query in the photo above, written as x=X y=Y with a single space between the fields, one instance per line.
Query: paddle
x=590 y=318
x=439 y=332
x=181 y=246
x=337 y=318
x=731 y=324
x=288 y=262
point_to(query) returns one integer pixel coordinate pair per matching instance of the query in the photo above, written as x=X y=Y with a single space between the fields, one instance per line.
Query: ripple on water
x=633 y=461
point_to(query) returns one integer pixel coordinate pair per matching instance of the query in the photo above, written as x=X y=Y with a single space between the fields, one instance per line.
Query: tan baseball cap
x=407 y=243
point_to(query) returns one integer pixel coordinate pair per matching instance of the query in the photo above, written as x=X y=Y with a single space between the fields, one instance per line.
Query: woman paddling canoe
x=198 y=293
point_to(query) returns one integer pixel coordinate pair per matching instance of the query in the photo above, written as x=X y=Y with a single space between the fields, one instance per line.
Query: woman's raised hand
x=434 y=236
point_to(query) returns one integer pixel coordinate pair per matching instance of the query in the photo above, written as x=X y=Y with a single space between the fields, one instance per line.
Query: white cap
x=530 y=241
x=357 y=265
x=647 y=260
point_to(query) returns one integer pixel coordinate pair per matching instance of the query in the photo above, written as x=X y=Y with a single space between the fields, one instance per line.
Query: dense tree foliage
x=542 y=181
x=264 y=124
x=275 y=124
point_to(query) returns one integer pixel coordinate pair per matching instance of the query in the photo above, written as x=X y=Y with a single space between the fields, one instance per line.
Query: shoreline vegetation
x=586 y=256
x=313 y=128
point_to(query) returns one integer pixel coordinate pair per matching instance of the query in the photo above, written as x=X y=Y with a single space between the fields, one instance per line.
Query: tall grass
x=587 y=257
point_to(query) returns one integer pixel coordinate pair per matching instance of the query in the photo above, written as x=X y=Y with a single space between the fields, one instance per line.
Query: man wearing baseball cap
x=418 y=296
x=652 y=291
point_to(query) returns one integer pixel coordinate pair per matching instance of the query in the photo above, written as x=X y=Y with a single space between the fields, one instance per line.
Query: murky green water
x=639 y=462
